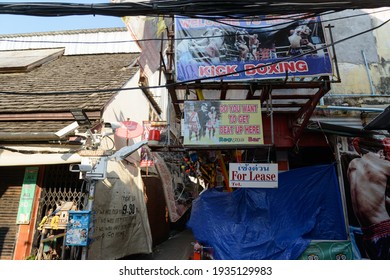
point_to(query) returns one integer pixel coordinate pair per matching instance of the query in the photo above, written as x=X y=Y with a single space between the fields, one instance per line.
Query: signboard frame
x=253 y=175
x=77 y=229
x=222 y=123
x=247 y=49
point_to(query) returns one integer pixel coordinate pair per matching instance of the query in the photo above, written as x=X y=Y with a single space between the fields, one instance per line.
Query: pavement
x=177 y=247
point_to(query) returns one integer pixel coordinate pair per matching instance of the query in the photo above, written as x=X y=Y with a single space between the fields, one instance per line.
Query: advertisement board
x=78 y=228
x=27 y=195
x=222 y=123
x=246 y=49
x=253 y=175
x=365 y=165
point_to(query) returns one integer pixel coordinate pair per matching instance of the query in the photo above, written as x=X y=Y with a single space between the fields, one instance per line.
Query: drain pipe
x=362 y=109
x=368 y=73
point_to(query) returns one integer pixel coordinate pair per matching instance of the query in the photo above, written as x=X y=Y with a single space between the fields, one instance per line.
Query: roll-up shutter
x=11 y=180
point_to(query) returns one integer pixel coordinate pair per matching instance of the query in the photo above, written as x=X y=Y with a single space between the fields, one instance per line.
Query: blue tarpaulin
x=255 y=224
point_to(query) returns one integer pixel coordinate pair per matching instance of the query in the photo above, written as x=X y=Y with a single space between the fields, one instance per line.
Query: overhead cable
x=293 y=19
x=223 y=8
x=195 y=80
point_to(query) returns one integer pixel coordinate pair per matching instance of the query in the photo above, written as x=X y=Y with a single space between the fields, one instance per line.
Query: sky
x=14 y=24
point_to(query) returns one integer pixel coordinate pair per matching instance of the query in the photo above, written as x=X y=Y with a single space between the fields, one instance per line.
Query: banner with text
x=222 y=123
x=119 y=218
x=27 y=195
x=253 y=175
x=247 y=49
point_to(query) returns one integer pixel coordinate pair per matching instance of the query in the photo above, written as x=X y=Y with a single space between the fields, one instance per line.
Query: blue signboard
x=78 y=228
x=247 y=49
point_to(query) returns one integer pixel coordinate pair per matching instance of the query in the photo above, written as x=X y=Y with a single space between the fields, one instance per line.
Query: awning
x=8 y=158
x=381 y=122
x=346 y=129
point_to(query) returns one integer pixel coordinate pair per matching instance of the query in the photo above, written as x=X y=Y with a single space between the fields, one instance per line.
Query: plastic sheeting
x=268 y=224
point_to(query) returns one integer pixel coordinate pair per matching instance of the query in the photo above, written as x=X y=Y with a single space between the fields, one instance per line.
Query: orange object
x=197 y=256
x=224 y=171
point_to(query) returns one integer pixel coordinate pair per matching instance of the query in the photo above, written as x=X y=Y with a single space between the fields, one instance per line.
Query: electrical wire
x=225 y=22
x=198 y=79
x=221 y=8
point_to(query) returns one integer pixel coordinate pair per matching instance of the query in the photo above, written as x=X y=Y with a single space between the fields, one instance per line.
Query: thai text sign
x=253 y=175
x=27 y=195
x=222 y=123
x=246 y=49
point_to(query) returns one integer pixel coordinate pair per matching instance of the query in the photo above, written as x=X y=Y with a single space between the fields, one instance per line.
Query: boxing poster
x=365 y=166
x=246 y=49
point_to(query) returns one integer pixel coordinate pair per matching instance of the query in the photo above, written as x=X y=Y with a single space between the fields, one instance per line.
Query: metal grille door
x=59 y=185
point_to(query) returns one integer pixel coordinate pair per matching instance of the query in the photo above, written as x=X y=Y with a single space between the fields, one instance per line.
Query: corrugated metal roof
x=64 y=32
x=75 y=42
x=24 y=61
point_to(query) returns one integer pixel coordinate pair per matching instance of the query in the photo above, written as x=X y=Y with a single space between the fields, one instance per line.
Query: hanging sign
x=248 y=48
x=223 y=123
x=253 y=175
x=27 y=195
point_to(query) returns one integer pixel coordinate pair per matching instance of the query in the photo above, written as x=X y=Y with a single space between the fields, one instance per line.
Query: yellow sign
x=223 y=123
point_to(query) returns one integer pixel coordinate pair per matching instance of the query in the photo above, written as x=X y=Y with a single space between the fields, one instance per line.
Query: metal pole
x=272 y=119
x=368 y=73
x=169 y=120
x=334 y=52
x=341 y=186
x=346 y=108
x=89 y=206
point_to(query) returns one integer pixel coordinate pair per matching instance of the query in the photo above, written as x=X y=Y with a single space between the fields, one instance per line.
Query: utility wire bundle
x=189 y=8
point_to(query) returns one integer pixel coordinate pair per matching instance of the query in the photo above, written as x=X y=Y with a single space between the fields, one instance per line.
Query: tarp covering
x=271 y=223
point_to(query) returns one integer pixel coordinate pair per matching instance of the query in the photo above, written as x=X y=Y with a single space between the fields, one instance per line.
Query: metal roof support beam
x=265 y=93
x=172 y=93
x=307 y=110
x=149 y=96
x=251 y=91
x=224 y=89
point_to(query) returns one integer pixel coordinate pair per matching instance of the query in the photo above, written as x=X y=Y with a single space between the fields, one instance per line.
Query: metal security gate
x=59 y=185
x=11 y=180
